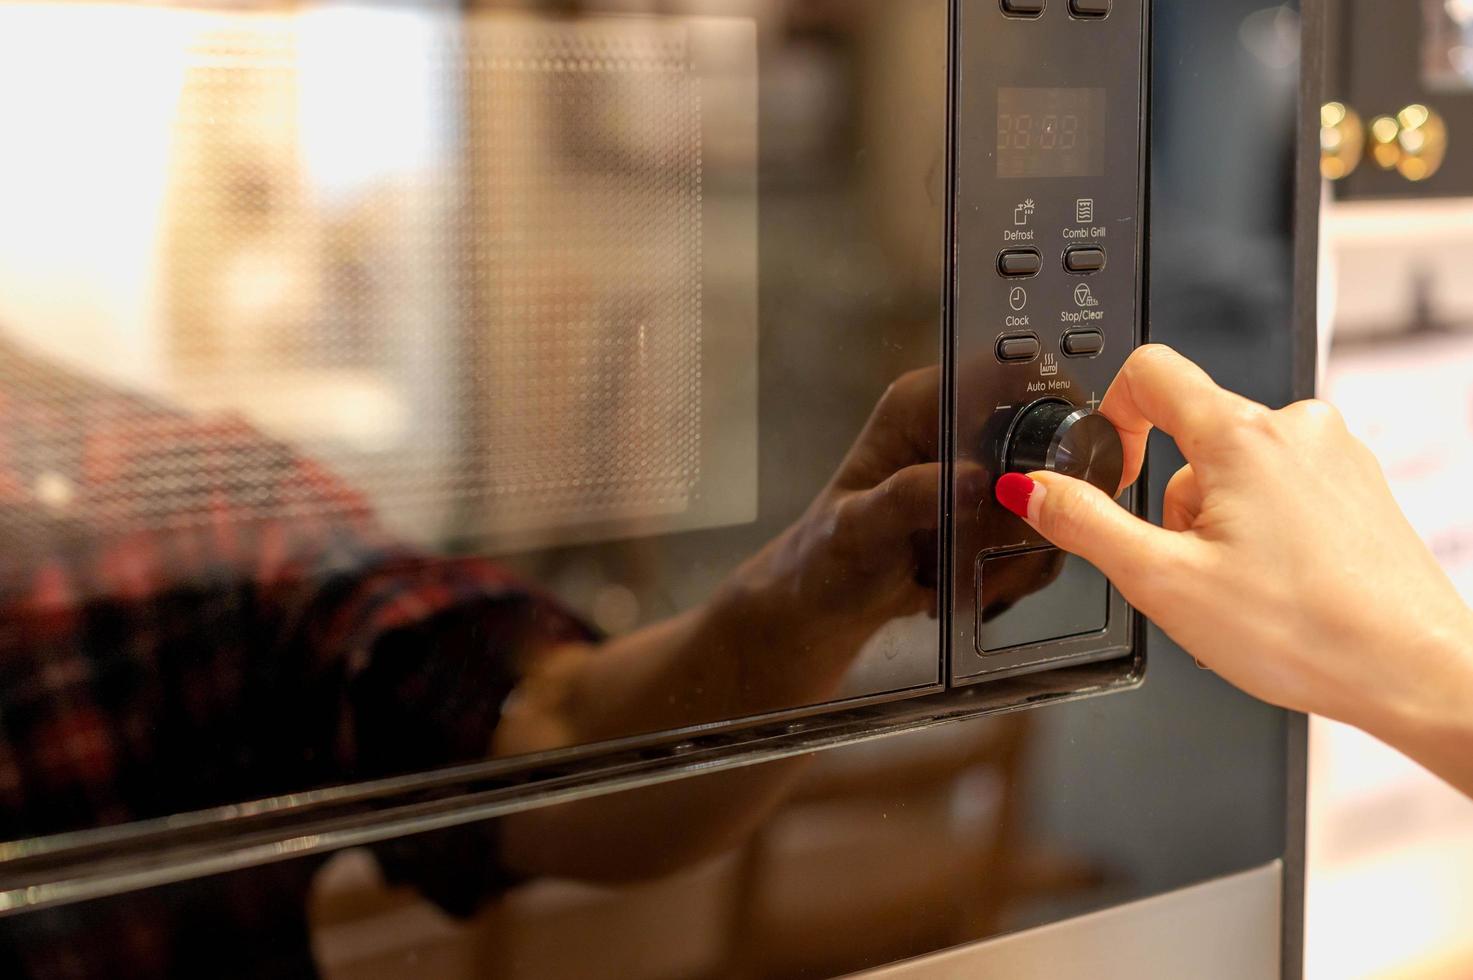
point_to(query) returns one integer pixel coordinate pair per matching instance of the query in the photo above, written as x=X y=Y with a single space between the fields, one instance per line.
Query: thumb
x=1080 y=518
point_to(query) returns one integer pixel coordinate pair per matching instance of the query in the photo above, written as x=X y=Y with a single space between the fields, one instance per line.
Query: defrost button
x=1019 y=263
x=1023 y=8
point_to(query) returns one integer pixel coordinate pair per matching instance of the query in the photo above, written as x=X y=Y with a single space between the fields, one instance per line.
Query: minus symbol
x=1003 y=408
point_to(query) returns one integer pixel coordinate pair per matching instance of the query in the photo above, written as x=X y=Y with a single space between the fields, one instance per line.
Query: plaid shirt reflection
x=191 y=615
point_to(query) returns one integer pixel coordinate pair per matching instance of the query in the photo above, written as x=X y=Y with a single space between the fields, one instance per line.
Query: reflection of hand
x=863 y=553
x=785 y=626
x=1284 y=564
x=779 y=633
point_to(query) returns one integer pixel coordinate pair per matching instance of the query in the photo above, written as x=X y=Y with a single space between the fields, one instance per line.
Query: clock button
x=1023 y=347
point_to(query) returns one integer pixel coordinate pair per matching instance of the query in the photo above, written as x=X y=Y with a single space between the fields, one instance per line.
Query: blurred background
x=1391 y=847
x=158 y=271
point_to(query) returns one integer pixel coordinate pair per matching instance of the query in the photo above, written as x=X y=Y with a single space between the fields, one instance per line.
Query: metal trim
x=1226 y=929
x=65 y=869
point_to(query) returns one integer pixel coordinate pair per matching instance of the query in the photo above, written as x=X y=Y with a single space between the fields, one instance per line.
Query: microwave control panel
x=1050 y=129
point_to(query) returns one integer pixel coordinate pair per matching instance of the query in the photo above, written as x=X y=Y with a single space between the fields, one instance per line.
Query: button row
x=1023 y=347
x=1024 y=263
x=1034 y=8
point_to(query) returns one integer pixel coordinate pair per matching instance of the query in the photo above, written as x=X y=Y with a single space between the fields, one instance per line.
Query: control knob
x=1057 y=436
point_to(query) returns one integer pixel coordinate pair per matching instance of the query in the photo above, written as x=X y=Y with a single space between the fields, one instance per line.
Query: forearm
x=781 y=632
x=749 y=649
x=742 y=652
x=1432 y=720
x=628 y=836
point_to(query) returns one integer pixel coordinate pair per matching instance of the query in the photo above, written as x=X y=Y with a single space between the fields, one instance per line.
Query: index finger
x=1159 y=388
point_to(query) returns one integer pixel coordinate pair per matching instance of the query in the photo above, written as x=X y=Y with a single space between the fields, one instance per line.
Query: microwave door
x=375 y=386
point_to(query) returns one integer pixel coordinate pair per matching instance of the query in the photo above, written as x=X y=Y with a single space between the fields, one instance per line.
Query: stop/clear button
x=1089 y=8
x=1083 y=343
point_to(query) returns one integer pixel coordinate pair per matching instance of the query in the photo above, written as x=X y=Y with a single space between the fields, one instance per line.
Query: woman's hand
x=1284 y=564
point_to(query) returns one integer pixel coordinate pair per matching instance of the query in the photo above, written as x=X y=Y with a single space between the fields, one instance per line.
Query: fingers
x=906 y=502
x=1183 y=501
x=1158 y=388
x=903 y=430
x=1083 y=520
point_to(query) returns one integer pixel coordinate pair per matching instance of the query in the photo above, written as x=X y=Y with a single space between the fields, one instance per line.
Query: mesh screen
x=588 y=173
x=463 y=262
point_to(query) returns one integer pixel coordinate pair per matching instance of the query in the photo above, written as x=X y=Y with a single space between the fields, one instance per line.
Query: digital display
x=1051 y=132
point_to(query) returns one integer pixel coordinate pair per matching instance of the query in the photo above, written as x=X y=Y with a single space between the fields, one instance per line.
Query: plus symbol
x=1093 y=403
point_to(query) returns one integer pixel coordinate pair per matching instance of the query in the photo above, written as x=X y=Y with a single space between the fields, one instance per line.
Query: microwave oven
x=425 y=415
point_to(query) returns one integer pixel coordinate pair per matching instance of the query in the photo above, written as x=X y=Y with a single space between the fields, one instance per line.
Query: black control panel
x=1051 y=122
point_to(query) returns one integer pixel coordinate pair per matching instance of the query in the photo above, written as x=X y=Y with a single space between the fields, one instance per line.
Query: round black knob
x=1057 y=436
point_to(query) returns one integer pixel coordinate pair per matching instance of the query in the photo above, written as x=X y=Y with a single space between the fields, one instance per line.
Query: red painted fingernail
x=1014 y=491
